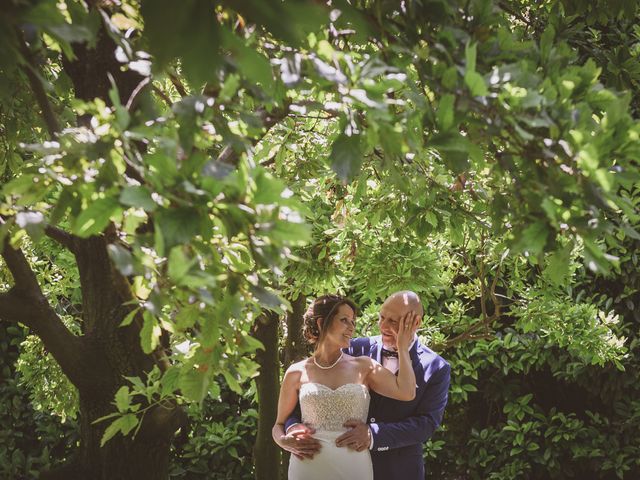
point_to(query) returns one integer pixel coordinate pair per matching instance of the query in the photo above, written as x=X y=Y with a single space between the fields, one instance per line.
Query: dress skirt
x=331 y=462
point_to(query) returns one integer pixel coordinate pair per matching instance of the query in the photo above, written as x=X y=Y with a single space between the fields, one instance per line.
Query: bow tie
x=389 y=353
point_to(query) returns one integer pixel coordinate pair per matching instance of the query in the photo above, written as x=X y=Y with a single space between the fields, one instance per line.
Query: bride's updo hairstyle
x=323 y=308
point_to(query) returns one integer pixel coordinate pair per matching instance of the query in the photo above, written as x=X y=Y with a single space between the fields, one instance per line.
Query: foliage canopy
x=200 y=163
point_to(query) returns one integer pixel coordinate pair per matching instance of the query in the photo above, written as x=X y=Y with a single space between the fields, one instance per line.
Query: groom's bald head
x=396 y=306
x=405 y=300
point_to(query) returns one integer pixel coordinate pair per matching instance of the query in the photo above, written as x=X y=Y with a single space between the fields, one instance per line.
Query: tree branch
x=143 y=83
x=65 y=239
x=25 y=303
x=515 y=14
x=162 y=95
x=23 y=276
x=30 y=70
x=178 y=85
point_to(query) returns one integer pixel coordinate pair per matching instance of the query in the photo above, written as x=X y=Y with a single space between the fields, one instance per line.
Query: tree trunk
x=296 y=347
x=106 y=353
x=124 y=458
x=96 y=362
x=266 y=453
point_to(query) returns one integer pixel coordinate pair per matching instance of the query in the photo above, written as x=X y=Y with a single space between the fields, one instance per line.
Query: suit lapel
x=413 y=355
x=374 y=353
x=376 y=349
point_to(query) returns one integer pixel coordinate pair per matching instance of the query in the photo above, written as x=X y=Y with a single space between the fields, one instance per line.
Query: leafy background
x=481 y=153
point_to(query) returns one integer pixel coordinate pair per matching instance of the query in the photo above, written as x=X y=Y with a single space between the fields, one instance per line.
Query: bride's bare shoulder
x=297 y=367
x=295 y=374
x=362 y=361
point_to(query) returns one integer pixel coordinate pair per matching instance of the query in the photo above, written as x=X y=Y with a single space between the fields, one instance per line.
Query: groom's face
x=390 y=314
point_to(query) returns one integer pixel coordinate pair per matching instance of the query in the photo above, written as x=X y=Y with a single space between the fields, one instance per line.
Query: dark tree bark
x=266 y=453
x=296 y=347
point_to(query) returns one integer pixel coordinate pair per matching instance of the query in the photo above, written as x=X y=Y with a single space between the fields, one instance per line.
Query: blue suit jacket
x=400 y=428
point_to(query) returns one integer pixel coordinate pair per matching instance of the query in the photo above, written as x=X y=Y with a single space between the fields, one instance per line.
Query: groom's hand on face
x=299 y=441
x=358 y=438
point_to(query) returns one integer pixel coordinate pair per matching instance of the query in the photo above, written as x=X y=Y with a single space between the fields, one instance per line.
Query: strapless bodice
x=325 y=408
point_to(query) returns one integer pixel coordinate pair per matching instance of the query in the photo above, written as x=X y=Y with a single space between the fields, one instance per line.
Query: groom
x=396 y=430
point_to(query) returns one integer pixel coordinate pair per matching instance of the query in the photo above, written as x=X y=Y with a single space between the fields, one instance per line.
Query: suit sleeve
x=295 y=417
x=419 y=427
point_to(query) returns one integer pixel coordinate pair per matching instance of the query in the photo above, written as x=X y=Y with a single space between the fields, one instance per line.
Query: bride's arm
x=381 y=380
x=300 y=444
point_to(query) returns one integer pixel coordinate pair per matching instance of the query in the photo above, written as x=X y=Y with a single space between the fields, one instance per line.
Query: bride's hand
x=406 y=330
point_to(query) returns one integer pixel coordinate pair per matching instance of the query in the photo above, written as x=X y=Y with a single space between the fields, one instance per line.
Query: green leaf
x=150 y=333
x=106 y=417
x=111 y=431
x=95 y=218
x=139 y=197
x=476 y=84
x=210 y=335
x=287 y=233
x=124 y=424
x=546 y=41
x=65 y=200
x=178 y=225
x=122 y=114
x=254 y=66
x=268 y=189
x=346 y=156
x=450 y=78
x=630 y=231
x=470 y=54
x=595 y=258
x=251 y=344
x=588 y=158
x=534 y=238
x=123 y=400
x=179 y=264
x=194 y=384
x=445 y=114
x=170 y=380
x=558 y=263
x=129 y=318
x=187 y=30
x=128 y=423
x=138 y=384
x=267 y=298
x=232 y=381
x=70 y=33
x=455 y=150
x=48 y=16
x=187 y=317
x=229 y=87
x=214 y=390
x=290 y=21
x=163 y=167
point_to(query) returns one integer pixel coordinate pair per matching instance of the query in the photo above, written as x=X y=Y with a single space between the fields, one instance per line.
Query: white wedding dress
x=326 y=410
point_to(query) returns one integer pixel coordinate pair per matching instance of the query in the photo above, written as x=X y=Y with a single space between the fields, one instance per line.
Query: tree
x=159 y=246
x=166 y=144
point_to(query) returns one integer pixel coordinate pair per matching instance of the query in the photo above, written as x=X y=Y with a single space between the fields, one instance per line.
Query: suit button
x=373 y=419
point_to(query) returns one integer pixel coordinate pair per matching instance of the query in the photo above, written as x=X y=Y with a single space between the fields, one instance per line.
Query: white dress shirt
x=391 y=363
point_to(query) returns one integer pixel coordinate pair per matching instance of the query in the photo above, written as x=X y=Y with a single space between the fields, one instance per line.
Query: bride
x=333 y=387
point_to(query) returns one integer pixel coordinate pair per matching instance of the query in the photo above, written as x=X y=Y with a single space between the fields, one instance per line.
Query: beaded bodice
x=324 y=408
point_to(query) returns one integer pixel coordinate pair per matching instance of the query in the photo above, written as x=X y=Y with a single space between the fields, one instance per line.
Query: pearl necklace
x=330 y=366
